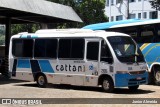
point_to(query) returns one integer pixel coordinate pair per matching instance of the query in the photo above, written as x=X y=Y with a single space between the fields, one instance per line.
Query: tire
x=133 y=88
x=151 y=78
x=107 y=85
x=157 y=76
x=41 y=81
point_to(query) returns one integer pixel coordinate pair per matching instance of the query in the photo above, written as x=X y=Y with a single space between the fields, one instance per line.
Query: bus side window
x=64 y=48
x=22 y=48
x=105 y=53
x=71 y=49
x=92 y=50
x=45 y=48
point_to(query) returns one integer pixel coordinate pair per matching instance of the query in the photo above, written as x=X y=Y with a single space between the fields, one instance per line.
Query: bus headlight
x=122 y=72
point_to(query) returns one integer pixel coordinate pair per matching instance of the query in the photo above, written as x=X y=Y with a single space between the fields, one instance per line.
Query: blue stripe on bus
x=23 y=63
x=151 y=53
x=107 y=25
x=34 y=36
x=45 y=66
x=28 y=36
x=124 y=80
x=23 y=36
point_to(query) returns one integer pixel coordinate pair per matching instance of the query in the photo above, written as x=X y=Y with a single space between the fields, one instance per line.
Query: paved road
x=22 y=89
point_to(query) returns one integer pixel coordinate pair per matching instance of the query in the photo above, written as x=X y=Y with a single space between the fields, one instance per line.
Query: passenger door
x=106 y=59
x=92 y=60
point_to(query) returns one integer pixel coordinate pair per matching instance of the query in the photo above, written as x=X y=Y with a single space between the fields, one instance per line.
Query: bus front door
x=92 y=66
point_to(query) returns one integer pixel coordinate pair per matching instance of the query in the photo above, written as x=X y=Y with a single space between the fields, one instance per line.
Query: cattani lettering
x=69 y=67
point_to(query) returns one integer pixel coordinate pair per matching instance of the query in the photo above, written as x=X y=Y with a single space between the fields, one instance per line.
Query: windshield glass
x=125 y=49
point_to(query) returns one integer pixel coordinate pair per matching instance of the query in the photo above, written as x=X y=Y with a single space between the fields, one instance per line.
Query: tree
x=16 y=28
x=2 y=35
x=90 y=11
x=155 y=4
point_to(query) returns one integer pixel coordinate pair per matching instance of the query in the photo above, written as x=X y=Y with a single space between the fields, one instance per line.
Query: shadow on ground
x=5 y=80
x=95 y=89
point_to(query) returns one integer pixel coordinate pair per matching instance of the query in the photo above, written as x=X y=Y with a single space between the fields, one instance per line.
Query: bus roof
x=68 y=33
x=42 y=31
x=122 y=23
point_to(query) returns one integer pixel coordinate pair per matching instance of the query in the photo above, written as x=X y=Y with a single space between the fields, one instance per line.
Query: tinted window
x=77 y=48
x=92 y=50
x=46 y=48
x=22 y=47
x=64 y=48
x=105 y=53
x=71 y=48
x=125 y=49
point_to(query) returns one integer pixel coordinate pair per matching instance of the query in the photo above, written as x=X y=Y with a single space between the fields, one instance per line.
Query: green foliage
x=2 y=39
x=2 y=33
x=16 y=28
x=90 y=11
x=155 y=4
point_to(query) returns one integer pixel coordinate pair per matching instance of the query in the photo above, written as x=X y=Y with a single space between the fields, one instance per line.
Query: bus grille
x=137 y=82
x=137 y=72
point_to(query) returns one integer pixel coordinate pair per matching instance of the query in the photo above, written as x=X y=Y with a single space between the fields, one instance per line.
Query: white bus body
x=77 y=57
x=146 y=33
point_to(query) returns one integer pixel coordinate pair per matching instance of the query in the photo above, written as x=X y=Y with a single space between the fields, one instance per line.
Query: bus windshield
x=125 y=49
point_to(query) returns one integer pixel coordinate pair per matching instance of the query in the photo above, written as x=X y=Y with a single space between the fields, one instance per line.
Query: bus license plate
x=139 y=78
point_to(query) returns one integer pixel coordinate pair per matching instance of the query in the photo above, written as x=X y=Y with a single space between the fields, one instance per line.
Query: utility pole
x=142 y=14
x=127 y=9
x=109 y=10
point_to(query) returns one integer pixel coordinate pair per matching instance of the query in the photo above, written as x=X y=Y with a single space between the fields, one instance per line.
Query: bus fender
x=152 y=72
x=101 y=77
x=37 y=74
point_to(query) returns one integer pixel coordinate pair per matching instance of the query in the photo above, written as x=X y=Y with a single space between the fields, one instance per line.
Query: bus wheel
x=107 y=85
x=41 y=81
x=133 y=88
x=157 y=76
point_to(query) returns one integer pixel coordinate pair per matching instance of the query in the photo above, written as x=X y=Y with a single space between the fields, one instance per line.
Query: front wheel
x=133 y=88
x=108 y=85
x=157 y=76
x=41 y=81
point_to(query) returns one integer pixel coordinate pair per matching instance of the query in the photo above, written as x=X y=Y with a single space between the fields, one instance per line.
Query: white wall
x=134 y=8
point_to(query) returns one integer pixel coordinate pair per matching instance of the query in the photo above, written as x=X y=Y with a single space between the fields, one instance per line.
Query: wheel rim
x=41 y=80
x=157 y=76
x=106 y=84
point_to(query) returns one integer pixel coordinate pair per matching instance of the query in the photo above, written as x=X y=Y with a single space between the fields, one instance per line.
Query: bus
x=77 y=57
x=146 y=33
x=2 y=60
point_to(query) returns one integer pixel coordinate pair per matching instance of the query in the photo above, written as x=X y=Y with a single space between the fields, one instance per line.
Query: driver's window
x=105 y=53
x=129 y=49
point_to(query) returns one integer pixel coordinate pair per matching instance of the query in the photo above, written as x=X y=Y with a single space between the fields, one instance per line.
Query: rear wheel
x=107 y=85
x=41 y=81
x=156 y=75
x=133 y=88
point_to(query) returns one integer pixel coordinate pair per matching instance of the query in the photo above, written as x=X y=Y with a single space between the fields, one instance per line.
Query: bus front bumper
x=125 y=80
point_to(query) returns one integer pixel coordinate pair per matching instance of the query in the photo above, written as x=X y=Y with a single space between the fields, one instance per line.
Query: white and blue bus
x=146 y=33
x=78 y=57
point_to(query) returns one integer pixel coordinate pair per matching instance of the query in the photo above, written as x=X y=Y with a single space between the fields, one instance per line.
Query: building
x=123 y=9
